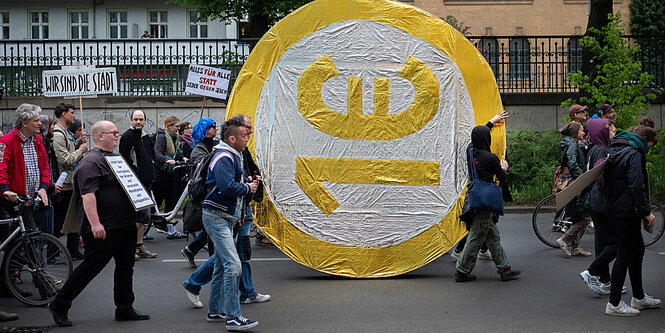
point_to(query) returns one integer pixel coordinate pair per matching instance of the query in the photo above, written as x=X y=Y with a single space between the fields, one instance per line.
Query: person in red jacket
x=23 y=164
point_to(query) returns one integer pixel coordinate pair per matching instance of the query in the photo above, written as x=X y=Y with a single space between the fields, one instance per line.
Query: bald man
x=107 y=219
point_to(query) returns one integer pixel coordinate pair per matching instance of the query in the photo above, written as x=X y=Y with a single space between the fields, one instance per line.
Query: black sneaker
x=508 y=274
x=461 y=277
x=59 y=318
x=189 y=255
x=240 y=323
x=215 y=317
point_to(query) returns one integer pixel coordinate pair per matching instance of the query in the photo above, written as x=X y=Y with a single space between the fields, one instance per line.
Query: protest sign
x=130 y=183
x=84 y=81
x=208 y=81
x=573 y=190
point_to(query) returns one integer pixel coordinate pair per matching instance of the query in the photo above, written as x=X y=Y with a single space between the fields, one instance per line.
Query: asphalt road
x=548 y=297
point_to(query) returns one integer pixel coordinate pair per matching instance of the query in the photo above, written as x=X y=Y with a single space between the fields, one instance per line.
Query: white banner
x=130 y=183
x=208 y=81
x=84 y=81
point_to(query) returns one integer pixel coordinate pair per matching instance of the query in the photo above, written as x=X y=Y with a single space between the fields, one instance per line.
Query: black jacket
x=136 y=148
x=250 y=169
x=487 y=163
x=160 y=156
x=626 y=181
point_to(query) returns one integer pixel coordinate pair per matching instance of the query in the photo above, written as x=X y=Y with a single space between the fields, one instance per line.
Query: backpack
x=198 y=190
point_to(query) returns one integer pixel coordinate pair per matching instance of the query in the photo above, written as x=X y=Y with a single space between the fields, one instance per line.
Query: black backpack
x=198 y=190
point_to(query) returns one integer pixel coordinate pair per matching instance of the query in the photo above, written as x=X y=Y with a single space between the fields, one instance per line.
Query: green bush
x=532 y=157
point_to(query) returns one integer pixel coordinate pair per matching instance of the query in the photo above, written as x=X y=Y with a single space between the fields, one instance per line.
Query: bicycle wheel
x=548 y=223
x=659 y=226
x=36 y=267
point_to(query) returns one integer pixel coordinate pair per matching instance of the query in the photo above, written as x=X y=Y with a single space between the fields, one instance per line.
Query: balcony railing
x=158 y=67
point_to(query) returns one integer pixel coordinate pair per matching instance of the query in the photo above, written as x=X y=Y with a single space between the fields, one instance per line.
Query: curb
x=519 y=209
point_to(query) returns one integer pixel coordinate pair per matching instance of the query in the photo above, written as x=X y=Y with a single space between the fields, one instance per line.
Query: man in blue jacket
x=222 y=210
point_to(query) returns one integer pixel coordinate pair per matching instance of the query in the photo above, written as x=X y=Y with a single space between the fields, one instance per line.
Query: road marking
x=204 y=260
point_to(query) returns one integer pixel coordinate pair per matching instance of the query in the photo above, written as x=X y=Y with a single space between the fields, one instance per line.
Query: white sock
x=171 y=228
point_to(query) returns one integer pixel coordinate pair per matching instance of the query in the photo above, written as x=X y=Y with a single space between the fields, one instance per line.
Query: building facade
x=518 y=17
x=105 y=19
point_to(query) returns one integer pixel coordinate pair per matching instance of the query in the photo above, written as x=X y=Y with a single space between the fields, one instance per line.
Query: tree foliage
x=647 y=17
x=459 y=26
x=619 y=78
x=261 y=14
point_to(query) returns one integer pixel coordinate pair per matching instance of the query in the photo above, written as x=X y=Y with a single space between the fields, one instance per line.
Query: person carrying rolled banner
x=627 y=188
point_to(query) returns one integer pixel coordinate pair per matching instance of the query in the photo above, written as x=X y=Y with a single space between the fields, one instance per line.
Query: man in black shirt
x=107 y=226
x=136 y=148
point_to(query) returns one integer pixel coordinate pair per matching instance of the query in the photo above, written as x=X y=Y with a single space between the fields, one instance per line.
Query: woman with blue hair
x=203 y=136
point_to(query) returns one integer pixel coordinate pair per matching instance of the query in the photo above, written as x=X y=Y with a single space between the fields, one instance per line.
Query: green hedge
x=534 y=155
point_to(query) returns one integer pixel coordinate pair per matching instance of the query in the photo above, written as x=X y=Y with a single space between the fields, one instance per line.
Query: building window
x=118 y=24
x=38 y=25
x=158 y=24
x=78 y=25
x=4 y=25
x=197 y=29
x=519 y=58
x=489 y=48
x=574 y=55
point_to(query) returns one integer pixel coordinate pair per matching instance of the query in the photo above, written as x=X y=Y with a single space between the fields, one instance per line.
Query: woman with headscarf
x=597 y=276
x=203 y=136
x=573 y=158
x=482 y=224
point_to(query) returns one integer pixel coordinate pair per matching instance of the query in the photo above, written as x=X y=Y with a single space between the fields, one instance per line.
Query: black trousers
x=60 y=206
x=630 y=253
x=119 y=245
x=606 y=246
x=165 y=190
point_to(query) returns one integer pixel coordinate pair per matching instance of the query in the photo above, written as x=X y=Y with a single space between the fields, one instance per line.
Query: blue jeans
x=244 y=253
x=227 y=268
x=200 y=277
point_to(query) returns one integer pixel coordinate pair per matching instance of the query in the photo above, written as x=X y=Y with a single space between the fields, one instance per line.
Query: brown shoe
x=7 y=316
x=142 y=252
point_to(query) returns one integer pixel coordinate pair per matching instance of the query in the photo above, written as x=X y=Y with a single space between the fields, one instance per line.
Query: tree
x=459 y=26
x=646 y=22
x=619 y=78
x=260 y=14
x=598 y=11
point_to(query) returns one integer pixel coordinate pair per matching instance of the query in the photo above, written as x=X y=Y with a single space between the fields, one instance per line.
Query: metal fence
x=158 y=67
x=145 y=67
x=541 y=64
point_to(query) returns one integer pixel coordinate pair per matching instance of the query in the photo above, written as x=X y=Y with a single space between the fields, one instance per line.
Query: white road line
x=204 y=260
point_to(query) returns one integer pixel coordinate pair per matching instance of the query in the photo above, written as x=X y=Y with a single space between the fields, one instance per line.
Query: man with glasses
x=136 y=148
x=168 y=150
x=107 y=219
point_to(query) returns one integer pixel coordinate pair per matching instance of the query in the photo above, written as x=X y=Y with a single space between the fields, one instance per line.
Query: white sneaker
x=621 y=310
x=456 y=255
x=592 y=282
x=194 y=299
x=606 y=287
x=260 y=298
x=487 y=255
x=647 y=302
x=564 y=247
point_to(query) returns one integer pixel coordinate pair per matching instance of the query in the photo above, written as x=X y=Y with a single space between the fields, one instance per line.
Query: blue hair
x=201 y=128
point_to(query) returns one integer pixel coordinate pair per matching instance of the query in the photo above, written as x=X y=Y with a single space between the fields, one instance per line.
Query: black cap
x=604 y=108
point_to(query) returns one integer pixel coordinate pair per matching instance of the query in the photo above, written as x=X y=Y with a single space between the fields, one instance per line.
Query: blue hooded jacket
x=225 y=171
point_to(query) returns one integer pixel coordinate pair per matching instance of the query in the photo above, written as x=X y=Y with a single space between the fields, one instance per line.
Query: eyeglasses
x=113 y=132
x=189 y=127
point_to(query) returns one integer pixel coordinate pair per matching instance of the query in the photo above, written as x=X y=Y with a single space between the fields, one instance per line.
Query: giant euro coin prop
x=362 y=113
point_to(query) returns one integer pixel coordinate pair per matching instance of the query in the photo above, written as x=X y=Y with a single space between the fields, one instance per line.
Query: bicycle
x=549 y=224
x=161 y=219
x=33 y=256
